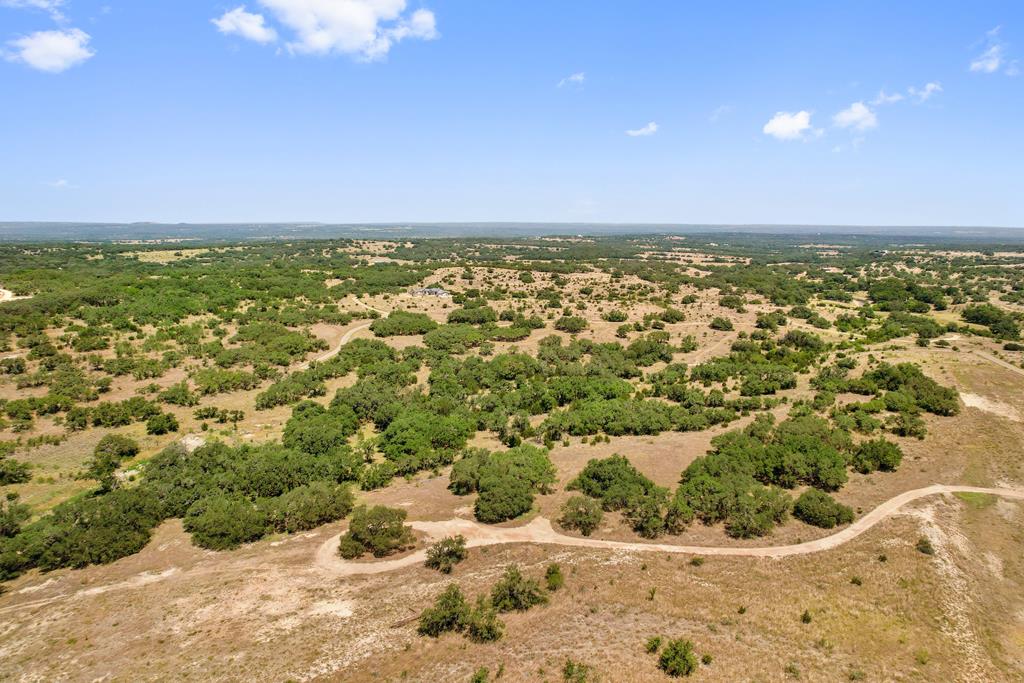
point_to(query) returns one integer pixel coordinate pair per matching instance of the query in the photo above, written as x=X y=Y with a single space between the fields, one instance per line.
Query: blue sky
x=886 y=113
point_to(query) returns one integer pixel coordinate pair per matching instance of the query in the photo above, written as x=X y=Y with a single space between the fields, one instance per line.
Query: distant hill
x=105 y=232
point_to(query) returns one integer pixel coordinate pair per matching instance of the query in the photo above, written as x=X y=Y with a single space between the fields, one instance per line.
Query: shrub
x=111 y=450
x=117 y=447
x=376 y=476
x=877 y=454
x=819 y=509
x=446 y=553
x=449 y=613
x=483 y=625
x=515 y=592
x=677 y=658
x=553 y=577
x=575 y=672
x=379 y=530
x=571 y=324
x=13 y=471
x=653 y=644
x=12 y=515
x=925 y=546
x=402 y=323
x=502 y=497
x=721 y=324
x=161 y=424
x=223 y=522
x=95 y=530
x=581 y=514
x=307 y=507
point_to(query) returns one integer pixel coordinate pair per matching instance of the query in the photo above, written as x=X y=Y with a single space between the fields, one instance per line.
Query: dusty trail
x=539 y=530
x=999 y=361
x=345 y=339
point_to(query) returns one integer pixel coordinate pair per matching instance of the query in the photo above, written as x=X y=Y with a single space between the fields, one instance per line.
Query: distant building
x=431 y=291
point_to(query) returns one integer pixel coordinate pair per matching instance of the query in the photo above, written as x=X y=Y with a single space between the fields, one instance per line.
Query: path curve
x=539 y=530
x=345 y=339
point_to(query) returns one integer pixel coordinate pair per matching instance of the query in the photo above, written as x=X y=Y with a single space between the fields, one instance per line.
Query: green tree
x=449 y=613
x=677 y=658
x=582 y=514
x=514 y=592
x=379 y=530
x=446 y=553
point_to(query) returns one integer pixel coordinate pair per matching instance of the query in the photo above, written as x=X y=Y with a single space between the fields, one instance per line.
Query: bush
x=515 y=592
x=161 y=424
x=12 y=515
x=449 y=613
x=95 y=530
x=817 y=508
x=117 y=447
x=446 y=553
x=581 y=514
x=376 y=476
x=575 y=672
x=877 y=454
x=572 y=324
x=553 y=577
x=307 y=507
x=483 y=624
x=379 y=530
x=653 y=644
x=925 y=546
x=722 y=324
x=502 y=497
x=223 y=522
x=402 y=323
x=111 y=450
x=677 y=658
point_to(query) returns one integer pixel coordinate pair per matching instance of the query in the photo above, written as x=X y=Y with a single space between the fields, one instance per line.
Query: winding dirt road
x=345 y=339
x=539 y=530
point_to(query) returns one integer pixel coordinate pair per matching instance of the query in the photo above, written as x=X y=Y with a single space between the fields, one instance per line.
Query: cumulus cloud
x=650 y=129
x=366 y=29
x=857 y=116
x=240 y=22
x=994 y=57
x=573 y=79
x=788 y=126
x=51 y=51
x=51 y=7
x=885 y=98
x=926 y=92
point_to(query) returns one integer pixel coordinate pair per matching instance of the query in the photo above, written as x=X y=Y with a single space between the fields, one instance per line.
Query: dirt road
x=999 y=361
x=539 y=530
x=345 y=339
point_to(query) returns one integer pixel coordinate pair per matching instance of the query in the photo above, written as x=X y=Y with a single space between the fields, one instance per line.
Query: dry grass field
x=877 y=608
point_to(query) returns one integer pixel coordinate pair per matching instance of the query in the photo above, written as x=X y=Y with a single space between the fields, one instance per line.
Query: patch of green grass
x=978 y=501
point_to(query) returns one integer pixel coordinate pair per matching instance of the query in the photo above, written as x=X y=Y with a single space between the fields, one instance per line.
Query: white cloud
x=788 y=126
x=994 y=58
x=61 y=184
x=719 y=112
x=248 y=25
x=925 y=93
x=857 y=116
x=573 y=79
x=52 y=7
x=988 y=61
x=650 y=129
x=52 y=51
x=885 y=98
x=364 y=28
